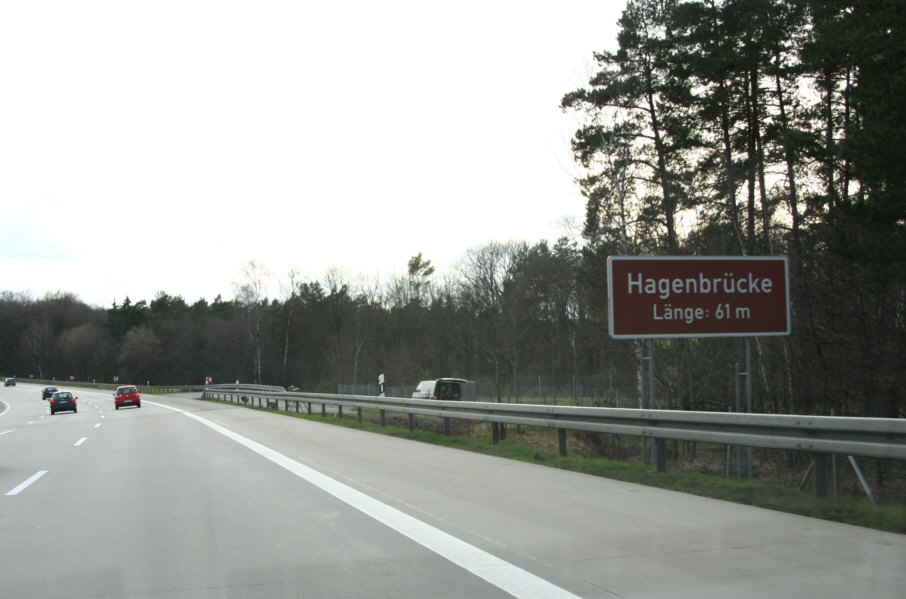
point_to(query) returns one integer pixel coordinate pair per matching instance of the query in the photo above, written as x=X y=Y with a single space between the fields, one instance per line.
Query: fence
x=403 y=390
x=575 y=390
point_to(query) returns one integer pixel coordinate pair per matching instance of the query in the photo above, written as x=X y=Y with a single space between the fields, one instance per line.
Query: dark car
x=48 y=392
x=127 y=396
x=63 y=401
x=9 y=383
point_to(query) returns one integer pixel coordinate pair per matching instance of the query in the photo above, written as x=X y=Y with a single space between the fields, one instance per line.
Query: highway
x=190 y=499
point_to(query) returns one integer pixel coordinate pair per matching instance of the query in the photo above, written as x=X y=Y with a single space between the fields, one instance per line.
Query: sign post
x=653 y=297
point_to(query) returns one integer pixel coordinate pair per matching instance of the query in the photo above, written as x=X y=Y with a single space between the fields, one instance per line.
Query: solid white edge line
x=27 y=483
x=80 y=441
x=502 y=574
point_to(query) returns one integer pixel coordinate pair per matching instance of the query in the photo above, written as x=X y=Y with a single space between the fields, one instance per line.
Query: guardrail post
x=359 y=415
x=820 y=476
x=411 y=421
x=561 y=433
x=447 y=427
x=383 y=418
x=324 y=409
x=660 y=454
x=495 y=433
x=340 y=411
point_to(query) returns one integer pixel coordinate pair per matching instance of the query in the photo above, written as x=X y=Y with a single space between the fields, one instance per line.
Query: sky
x=162 y=146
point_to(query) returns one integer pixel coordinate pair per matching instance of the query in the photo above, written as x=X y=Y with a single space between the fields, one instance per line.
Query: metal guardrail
x=244 y=387
x=867 y=437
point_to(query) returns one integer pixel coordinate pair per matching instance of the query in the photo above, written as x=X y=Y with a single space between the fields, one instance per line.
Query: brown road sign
x=725 y=296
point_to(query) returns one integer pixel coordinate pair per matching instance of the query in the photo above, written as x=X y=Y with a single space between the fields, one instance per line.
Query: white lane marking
x=80 y=441
x=97 y=425
x=4 y=432
x=27 y=483
x=502 y=574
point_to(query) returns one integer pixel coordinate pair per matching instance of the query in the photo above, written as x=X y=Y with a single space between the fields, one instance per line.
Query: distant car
x=127 y=396
x=48 y=392
x=63 y=401
x=440 y=389
x=9 y=383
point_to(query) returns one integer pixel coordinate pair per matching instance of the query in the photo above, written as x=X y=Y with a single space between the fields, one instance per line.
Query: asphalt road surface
x=190 y=499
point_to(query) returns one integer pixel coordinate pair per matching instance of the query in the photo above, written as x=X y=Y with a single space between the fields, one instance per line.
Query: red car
x=127 y=396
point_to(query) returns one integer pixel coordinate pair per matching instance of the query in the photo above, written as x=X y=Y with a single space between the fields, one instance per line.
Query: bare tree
x=251 y=294
x=140 y=354
x=36 y=339
x=85 y=350
x=290 y=289
x=487 y=271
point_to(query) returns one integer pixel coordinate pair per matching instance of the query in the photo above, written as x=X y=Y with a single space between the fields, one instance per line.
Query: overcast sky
x=160 y=146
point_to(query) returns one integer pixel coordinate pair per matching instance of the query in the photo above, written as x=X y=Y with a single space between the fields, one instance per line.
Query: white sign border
x=610 y=312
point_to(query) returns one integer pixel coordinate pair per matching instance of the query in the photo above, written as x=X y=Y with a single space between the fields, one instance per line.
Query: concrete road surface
x=184 y=498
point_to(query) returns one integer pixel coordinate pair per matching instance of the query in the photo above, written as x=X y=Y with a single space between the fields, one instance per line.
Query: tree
x=121 y=319
x=290 y=303
x=341 y=343
x=251 y=294
x=14 y=309
x=649 y=130
x=86 y=350
x=420 y=271
x=487 y=272
x=140 y=355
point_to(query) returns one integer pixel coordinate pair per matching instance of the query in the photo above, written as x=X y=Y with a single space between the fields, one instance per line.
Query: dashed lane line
x=28 y=482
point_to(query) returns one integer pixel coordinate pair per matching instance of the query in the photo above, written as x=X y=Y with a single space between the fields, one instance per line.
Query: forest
x=718 y=127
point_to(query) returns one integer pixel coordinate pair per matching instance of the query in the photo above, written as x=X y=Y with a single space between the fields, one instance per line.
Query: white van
x=442 y=389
